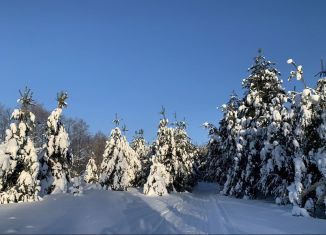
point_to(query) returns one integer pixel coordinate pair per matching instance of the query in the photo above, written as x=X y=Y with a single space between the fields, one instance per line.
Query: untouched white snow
x=107 y=212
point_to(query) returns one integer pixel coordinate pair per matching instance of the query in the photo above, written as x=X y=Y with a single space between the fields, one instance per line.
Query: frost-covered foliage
x=142 y=150
x=120 y=164
x=56 y=161
x=173 y=161
x=91 y=172
x=19 y=165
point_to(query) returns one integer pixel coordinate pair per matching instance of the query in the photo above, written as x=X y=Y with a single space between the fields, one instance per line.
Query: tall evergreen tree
x=264 y=92
x=186 y=158
x=318 y=157
x=120 y=164
x=209 y=170
x=231 y=162
x=56 y=161
x=142 y=150
x=222 y=145
x=173 y=160
x=307 y=192
x=160 y=179
x=250 y=132
x=19 y=164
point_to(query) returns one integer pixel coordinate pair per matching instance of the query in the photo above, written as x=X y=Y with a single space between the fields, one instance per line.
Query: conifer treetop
x=124 y=129
x=261 y=64
x=61 y=98
x=182 y=124
x=162 y=112
x=322 y=73
x=26 y=98
x=117 y=120
x=139 y=133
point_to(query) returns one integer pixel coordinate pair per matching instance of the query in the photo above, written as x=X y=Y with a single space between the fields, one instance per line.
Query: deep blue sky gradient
x=131 y=57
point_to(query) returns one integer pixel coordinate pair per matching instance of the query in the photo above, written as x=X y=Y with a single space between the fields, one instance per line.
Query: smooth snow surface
x=107 y=212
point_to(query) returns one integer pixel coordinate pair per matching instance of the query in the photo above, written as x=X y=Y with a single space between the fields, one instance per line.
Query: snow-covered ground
x=107 y=212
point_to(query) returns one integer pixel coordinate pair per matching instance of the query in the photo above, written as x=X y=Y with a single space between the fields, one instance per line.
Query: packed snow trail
x=111 y=212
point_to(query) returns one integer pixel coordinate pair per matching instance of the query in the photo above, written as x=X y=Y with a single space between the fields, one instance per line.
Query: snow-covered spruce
x=139 y=145
x=208 y=167
x=120 y=164
x=254 y=136
x=56 y=161
x=308 y=190
x=91 y=172
x=222 y=147
x=187 y=154
x=19 y=166
x=160 y=180
x=173 y=161
x=231 y=160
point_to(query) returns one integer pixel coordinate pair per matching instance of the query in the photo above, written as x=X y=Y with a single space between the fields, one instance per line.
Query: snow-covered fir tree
x=256 y=126
x=173 y=160
x=120 y=164
x=209 y=169
x=91 y=172
x=234 y=147
x=229 y=163
x=142 y=150
x=222 y=144
x=187 y=154
x=19 y=163
x=160 y=180
x=56 y=161
x=318 y=155
x=307 y=192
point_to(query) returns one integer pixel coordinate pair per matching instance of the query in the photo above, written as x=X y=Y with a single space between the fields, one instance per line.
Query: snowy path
x=107 y=212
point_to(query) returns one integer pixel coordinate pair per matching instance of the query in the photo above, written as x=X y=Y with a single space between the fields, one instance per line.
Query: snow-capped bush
x=91 y=172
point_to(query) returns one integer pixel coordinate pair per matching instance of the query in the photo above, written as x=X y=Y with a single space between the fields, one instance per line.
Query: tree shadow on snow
x=140 y=218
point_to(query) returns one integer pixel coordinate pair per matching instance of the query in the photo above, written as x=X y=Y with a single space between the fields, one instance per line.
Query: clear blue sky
x=131 y=57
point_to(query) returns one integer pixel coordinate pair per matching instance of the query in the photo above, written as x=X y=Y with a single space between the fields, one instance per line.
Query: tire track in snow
x=172 y=215
x=225 y=217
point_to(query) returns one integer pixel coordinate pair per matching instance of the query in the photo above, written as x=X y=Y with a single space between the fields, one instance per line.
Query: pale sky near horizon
x=131 y=57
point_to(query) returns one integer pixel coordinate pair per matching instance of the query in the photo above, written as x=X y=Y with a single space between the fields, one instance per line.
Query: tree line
x=52 y=154
x=270 y=143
